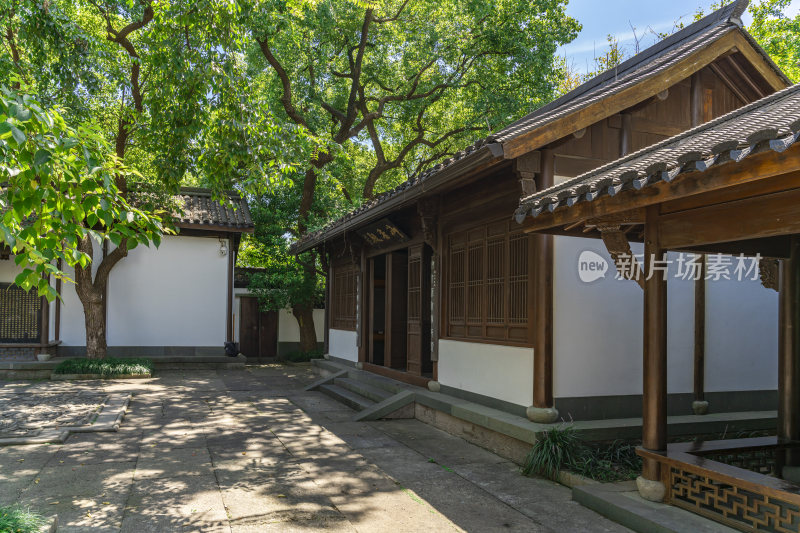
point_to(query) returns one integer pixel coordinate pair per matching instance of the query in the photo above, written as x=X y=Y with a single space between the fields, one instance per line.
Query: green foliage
x=399 y=85
x=303 y=357
x=778 y=34
x=553 y=450
x=15 y=519
x=560 y=448
x=59 y=188
x=106 y=367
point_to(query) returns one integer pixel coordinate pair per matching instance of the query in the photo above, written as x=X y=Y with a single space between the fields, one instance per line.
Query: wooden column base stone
x=651 y=490
x=542 y=415
x=700 y=407
x=434 y=386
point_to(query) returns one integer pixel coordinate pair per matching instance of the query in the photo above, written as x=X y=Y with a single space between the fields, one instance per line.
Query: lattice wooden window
x=20 y=315
x=343 y=297
x=487 y=284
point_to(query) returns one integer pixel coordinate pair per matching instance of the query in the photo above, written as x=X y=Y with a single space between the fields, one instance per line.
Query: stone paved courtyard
x=248 y=450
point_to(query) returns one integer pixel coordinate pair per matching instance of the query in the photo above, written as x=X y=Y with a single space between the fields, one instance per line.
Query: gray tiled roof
x=646 y=64
x=770 y=123
x=201 y=209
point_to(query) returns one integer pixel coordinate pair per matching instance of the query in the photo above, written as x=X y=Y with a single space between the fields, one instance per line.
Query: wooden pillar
x=789 y=351
x=654 y=398
x=543 y=405
x=229 y=303
x=327 y=326
x=700 y=336
x=44 y=329
x=57 y=333
x=363 y=328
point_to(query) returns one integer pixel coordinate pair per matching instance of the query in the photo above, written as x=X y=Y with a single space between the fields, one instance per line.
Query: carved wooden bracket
x=620 y=249
x=526 y=166
x=768 y=271
x=428 y=208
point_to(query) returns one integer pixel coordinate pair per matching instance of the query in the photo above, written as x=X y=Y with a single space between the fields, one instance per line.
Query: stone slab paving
x=241 y=451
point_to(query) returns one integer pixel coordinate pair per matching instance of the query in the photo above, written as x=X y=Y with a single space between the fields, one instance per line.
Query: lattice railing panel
x=761 y=460
x=732 y=505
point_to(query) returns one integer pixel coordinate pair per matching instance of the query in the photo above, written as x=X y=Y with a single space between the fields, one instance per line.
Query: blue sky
x=601 y=17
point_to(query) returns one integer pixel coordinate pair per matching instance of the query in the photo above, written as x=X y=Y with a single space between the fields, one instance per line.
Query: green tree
x=167 y=86
x=59 y=193
x=388 y=88
x=778 y=34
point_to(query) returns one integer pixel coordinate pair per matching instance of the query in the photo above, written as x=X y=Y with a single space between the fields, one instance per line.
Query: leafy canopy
x=60 y=187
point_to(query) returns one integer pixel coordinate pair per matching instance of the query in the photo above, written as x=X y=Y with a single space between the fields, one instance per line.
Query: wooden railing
x=744 y=498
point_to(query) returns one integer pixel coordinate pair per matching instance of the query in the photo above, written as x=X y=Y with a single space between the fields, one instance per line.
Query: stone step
x=621 y=503
x=325 y=367
x=349 y=398
x=381 y=382
x=363 y=388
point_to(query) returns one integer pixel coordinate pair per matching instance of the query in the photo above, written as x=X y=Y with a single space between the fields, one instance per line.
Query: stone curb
x=108 y=419
x=51 y=526
x=66 y=377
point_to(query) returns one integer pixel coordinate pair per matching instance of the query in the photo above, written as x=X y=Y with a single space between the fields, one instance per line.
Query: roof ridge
x=670 y=140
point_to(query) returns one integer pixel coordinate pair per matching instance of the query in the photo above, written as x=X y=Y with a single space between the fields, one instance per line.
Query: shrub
x=301 y=357
x=554 y=449
x=105 y=367
x=561 y=448
x=15 y=519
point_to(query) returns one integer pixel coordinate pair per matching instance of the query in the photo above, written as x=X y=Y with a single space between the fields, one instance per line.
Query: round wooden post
x=789 y=352
x=543 y=409
x=654 y=397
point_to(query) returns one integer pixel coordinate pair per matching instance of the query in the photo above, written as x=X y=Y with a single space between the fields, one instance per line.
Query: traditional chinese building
x=729 y=186
x=435 y=281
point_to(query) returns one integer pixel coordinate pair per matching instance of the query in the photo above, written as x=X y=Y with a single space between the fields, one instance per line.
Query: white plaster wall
x=503 y=372
x=8 y=270
x=289 y=330
x=174 y=295
x=73 y=329
x=741 y=336
x=343 y=344
x=598 y=331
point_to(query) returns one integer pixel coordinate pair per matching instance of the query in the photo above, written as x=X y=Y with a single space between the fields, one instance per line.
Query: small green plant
x=554 y=449
x=303 y=357
x=105 y=367
x=15 y=519
x=561 y=448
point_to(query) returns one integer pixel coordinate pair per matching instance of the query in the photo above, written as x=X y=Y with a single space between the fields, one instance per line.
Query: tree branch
x=286 y=98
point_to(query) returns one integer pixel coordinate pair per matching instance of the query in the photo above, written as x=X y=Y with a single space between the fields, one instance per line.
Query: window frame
x=510 y=330
x=344 y=297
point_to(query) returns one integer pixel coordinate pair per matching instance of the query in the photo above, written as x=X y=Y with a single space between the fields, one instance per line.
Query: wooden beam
x=622 y=100
x=769 y=215
x=626 y=135
x=729 y=83
x=696 y=100
x=543 y=290
x=758 y=61
x=654 y=394
x=755 y=168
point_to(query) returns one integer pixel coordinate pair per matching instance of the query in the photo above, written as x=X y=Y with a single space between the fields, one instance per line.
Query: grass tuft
x=15 y=519
x=560 y=448
x=105 y=367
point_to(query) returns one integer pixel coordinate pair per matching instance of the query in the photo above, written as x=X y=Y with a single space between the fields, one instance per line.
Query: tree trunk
x=308 y=334
x=94 y=310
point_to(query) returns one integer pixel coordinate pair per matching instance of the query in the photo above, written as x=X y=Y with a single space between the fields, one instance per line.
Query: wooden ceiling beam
x=716 y=69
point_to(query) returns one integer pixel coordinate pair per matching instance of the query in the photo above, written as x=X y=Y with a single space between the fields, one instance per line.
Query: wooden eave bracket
x=619 y=248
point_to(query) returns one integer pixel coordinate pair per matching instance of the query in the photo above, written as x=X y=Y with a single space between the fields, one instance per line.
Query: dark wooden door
x=258 y=333
x=419 y=310
x=396 y=310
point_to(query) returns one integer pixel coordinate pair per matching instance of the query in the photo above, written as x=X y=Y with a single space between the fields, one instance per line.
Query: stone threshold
x=108 y=418
x=70 y=377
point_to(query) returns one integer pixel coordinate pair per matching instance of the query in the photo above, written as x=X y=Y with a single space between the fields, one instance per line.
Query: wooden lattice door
x=258 y=333
x=419 y=311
